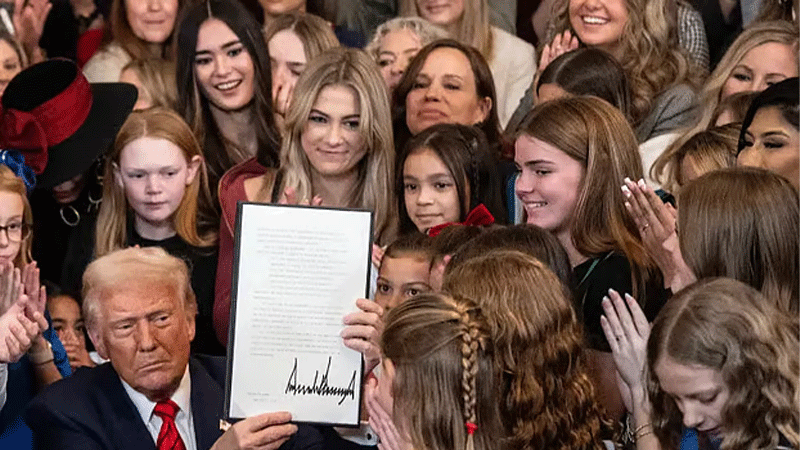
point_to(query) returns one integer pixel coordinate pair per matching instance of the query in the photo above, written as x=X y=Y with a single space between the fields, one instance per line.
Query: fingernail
x=606 y=300
x=629 y=297
x=611 y=292
x=641 y=183
x=626 y=191
x=627 y=205
x=628 y=180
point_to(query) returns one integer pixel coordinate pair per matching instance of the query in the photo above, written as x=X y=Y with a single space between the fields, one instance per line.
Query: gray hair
x=425 y=31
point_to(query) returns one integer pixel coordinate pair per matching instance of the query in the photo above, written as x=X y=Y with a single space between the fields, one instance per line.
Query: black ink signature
x=322 y=389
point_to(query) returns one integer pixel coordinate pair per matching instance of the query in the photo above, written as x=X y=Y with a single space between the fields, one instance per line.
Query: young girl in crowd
x=154 y=79
x=568 y=153
x=158 y=195
x=512 y=60
x=770 y=136
x=337 y=152
x=585 y=71
x=437 y=379
x=404 y=271
x=65 y=312
x=447 y=174
x=137 y=29
x=224 y=86
x=397 y=41
x=739 y=223
x=643 y=37
x=722 y=360
x=293 y=40
x=46 y=361
x=547 y=398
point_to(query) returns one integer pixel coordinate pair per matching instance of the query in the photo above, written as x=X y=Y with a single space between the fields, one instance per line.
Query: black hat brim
x=111 y=105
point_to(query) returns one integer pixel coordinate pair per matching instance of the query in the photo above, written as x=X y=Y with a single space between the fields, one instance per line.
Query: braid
x=470 y=336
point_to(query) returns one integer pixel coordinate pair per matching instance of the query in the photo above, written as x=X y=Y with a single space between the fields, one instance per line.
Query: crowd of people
x=586 y=222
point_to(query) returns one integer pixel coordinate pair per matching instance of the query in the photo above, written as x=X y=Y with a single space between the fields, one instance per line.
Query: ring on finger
x=645 y=226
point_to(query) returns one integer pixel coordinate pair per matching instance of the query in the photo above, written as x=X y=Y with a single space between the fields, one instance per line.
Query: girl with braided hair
x=548 y=400
x=437 y=375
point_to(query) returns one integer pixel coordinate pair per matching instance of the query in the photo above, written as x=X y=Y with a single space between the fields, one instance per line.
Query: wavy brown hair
x=444 y=374
x=725 y=325
x=651 y=55
x=547 y=398
x=743 y=223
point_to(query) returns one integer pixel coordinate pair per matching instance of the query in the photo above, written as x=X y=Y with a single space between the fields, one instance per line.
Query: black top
x=202 y=263
x=595 y=277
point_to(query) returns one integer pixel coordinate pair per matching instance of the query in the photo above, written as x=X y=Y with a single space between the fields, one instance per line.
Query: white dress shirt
x=183 y=420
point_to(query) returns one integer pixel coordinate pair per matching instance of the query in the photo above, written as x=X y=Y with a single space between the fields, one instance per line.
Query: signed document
x=297 y=273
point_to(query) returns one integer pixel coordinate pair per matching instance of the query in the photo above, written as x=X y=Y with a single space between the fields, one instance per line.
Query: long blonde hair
x=651 y=54
x=195 y=220
x=10 y=182
x=725 y=325
x=473 y=26
x=757 y=34
x=444 y=377
x=373 y=190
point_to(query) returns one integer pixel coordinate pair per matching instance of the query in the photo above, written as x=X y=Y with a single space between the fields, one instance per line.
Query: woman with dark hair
x=224 y=86
x=585 y=71
x=447 y=82
x=769 y=136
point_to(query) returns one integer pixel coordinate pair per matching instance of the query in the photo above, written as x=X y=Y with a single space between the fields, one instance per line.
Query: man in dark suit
x=139 y=310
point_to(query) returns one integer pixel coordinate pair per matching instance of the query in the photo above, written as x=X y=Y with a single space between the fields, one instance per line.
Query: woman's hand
x=381 y=420
x=377 y=255
x=29 y=18
x=10 y=286
x=363 y=330
x=18 y=333
x=656 y=223
x=627 y=330
x=562 y=43
x=37 y=297
x=289 y=197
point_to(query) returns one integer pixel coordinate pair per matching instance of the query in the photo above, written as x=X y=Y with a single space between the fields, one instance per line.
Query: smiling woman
x=224 y=86
x=337 y=151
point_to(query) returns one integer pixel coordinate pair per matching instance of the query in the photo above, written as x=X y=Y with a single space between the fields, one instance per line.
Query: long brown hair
x=725 y=325
x=597 y=135
x=195 y=220
x=444 y=376
x=743 y=223
x=547 y=398
x=119 y=30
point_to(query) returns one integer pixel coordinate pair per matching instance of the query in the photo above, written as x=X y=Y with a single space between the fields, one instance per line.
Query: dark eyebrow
x=224 y=46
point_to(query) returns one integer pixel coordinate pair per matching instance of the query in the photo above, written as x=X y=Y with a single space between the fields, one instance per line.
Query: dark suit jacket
x=91 y=411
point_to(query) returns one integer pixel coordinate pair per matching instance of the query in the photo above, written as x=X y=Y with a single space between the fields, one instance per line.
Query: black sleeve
x=612 y=272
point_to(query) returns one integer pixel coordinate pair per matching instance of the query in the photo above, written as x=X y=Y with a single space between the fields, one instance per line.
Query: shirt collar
x=182 y=397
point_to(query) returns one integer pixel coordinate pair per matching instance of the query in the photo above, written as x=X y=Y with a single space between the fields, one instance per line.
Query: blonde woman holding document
x=337 y=152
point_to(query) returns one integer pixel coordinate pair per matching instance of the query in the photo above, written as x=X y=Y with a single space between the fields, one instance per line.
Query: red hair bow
x=479 y=216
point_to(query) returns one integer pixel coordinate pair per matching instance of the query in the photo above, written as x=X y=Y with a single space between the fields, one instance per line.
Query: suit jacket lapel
x=128 y=430
x=207 y=400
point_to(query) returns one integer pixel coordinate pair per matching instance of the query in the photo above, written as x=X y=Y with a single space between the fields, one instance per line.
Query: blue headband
x=15 y=161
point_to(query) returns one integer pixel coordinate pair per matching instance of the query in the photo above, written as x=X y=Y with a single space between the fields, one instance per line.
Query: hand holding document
x=297 y=270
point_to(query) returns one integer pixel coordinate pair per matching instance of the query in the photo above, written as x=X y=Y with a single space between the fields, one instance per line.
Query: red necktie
x=168 y=437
